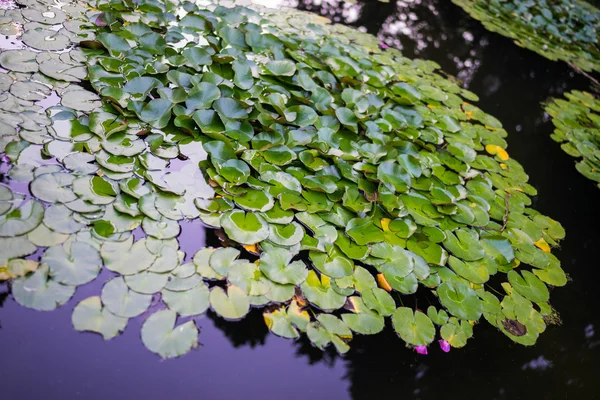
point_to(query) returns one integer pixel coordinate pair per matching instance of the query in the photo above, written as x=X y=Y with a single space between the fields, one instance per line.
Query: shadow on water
x=241 y=360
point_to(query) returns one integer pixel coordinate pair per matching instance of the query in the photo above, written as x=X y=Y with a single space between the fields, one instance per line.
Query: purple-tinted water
x=44 y=357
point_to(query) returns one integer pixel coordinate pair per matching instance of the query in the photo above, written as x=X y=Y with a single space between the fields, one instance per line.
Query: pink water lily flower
x=445 y=346
x=383 y=45
x=421 y=350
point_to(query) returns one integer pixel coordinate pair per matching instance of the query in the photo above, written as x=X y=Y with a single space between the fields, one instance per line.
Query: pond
x=42 y=355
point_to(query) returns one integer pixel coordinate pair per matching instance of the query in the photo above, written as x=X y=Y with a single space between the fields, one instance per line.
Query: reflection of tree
x=304 y=348
x=250 y=331
x=4 y=292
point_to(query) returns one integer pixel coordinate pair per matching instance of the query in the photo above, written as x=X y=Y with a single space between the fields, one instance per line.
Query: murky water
x=42 y=356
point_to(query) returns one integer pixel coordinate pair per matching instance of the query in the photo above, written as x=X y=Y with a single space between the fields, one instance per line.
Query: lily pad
x=460 y=300
x=74 y=263
x=190 y=302
x=40 y=292
x=123 y=302
x=90 y=315
x=147 y=282
x=126 y=257
x=230 y=305
x=276 y=264
x=413 y=327
x=319 y=292
x=161 y=336
x=22 y=220
x=245 y=227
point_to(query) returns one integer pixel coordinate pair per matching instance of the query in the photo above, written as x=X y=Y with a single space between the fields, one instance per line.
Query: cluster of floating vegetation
x=577 y=122
x=352 y=176
x=565 y=30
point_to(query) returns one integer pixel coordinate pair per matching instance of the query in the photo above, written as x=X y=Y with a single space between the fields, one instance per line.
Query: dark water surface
x=42 y=356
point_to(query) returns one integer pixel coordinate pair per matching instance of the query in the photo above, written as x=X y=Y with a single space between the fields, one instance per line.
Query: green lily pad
x=286 y=235
x=333 y=263
x=364 y=320
x=221 y=260
x=364 y=231
x=161 y=336
x=329 y=329
x=190 y=302
x=202 y=262
x=245 y=227
x=229 y=108
x=53 y=188
x=413 y=327
x=123 y=302
x=60 y=219
x=126 y=257
x=281 y=68
x=95 y=190
x=230 y=305
x=22 y=220
x=394 y=176
x=90 y=315
x=282 y=322
x=456 y=332
x=161 y=229
x=529 y=286
x=19 y=60
x=74 y=264
x=379 y=300
x=40 y=292
x=464 y=244
x=474 y=271
x=16 y=268
x=147 y=282
x=277 y=266
x=255 y=200
x=319 y=292
x=460 y=300
x=13 y=247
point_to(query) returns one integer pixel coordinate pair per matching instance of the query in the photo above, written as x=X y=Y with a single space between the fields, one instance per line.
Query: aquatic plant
x=565 y=30
x=354 y=177
x=577 y=123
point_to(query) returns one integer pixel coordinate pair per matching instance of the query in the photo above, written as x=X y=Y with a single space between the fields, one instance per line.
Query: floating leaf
x=529 y=286
x=74 y=264
x=126 y=257
x=122 y=301
x=413 y=327
x=460 y=300
x=39 y=291
x=232 y=304
x=89 y=315
x=21 y=220
x=245 y=227
x=319 y=292
x=277 y=266
x=147 y=282
x=190 y=302
x=161 y=336
x=364 y=320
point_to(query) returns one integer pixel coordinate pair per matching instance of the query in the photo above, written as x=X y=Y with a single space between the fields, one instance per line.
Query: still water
x=43 y=357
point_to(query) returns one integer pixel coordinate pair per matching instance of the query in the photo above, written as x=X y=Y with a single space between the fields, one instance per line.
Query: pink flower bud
x=383 y=45
x=100 y=20
x=421 y=350
x=445 y=346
